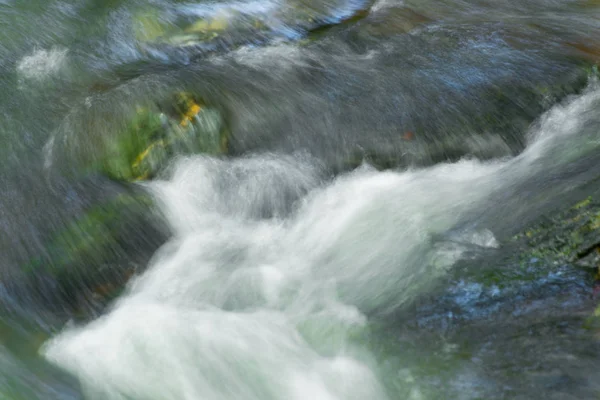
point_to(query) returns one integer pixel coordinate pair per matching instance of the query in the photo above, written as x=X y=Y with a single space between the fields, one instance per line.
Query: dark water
x=380 y=158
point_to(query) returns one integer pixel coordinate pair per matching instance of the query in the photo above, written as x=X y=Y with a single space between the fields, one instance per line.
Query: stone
x=154 y=136
x=89 y=260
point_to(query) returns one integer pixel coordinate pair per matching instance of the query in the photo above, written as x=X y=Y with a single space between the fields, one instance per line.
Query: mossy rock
x=572 y=236
x=151 y=28
x=229 y=27
x=148 y=26
x=393 y=21
x=554 y=246
x=155 y=135
x=207 y=25
x=92 y=256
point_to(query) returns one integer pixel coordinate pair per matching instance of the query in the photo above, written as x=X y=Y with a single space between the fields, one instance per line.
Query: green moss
x=593 y=321
x=522 y=271
x=88 y=238
x=565 y=237
x=583 y=204
x=144 y=129
x=154 y=135
x=148 y=26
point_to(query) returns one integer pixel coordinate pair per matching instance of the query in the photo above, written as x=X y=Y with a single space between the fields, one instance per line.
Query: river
x=379 y=156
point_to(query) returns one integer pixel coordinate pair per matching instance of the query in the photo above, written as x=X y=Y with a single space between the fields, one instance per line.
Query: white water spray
x=264 y=291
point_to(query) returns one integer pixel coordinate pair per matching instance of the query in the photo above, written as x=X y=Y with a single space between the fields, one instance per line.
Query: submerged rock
x=225 y=26
x=153 y=28
x=149 y=26
x=87 y=261
x=155 y=135
x=86 y=256
x=572 y=236
x=392 y=21
x=524 y=310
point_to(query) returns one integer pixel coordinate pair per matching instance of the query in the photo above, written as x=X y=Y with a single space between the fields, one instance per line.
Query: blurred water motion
x=295 y=199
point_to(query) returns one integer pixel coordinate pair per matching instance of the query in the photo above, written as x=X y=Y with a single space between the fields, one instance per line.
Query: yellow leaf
x=191 y=113
x=145 y=153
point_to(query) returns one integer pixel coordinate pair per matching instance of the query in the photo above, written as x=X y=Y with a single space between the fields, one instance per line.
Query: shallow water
x=289 y=298
x=381 y=156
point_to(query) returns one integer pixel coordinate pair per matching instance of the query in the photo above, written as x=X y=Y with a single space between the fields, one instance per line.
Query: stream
x=358 y=239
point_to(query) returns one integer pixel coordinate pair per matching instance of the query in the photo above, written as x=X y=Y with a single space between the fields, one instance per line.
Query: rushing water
x=375 y=148
x=236 y=306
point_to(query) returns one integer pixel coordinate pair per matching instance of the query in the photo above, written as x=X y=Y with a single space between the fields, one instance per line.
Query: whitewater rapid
x=266 y=288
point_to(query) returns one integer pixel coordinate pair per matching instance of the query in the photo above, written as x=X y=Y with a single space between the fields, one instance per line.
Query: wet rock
x=88 y=257
x=228 y=26
x=524 y=311
x=160 y=30
x=154 y=136
x=572 y=236
x=87 y=261
x=548 y=356
x=589 y=51
x=149 y=26
x=392 y=21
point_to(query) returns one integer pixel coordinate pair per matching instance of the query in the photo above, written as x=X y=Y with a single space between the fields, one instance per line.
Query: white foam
x=243 y=304
x=42 y=64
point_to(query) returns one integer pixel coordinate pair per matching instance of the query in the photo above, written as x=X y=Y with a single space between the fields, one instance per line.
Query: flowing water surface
x=380 y=155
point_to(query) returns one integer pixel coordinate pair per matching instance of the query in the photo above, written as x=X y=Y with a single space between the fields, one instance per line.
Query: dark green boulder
x=154 y=135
